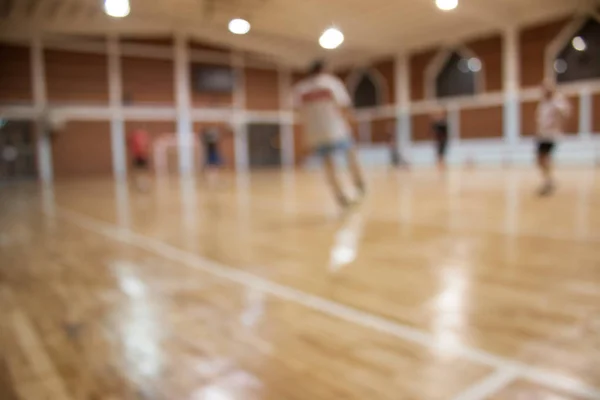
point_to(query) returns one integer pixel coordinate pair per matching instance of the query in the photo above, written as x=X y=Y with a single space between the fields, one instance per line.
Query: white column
x=454 y=124
x=512 y=110
x=183 y=105
x=122 y=206
x=239 y=119
x=402 y=90
x=286 y=125
x=585 y=113
x=40 y=101
x=117 y=122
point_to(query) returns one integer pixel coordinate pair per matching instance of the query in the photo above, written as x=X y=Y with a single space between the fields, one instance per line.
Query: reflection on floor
x=465 y=286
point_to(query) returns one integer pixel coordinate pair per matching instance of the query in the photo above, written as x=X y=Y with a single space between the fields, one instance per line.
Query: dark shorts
x=442 y=146
x=545 y=148
x=213 y=159
x=330 y=148
x=140 y=162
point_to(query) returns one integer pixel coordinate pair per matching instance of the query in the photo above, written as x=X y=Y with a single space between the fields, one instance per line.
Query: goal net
x=166 y=154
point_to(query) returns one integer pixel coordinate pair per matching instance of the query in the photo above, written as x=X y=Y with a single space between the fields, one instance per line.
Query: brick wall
x=489 y=51
x=76 y=78
x=82 y=149
x=381 y=129
x=421 y=128
x=147 y=81
x=387 y=70
x=481 y=123
x=596 y=113
x=418 y=63
x=262 y=89
x=532 y=45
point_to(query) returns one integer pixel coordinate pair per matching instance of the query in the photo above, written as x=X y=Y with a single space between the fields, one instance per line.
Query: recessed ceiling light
x=117 y=8
x=446 y=5
x=239 y=26
x=331 y=38
x=578 y=43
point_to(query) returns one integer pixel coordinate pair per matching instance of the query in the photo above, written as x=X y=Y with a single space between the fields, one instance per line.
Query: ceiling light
x=117 y=8
x=446 y=5
x=239 y=26
x=331 y=38
x=560 y=66
x=578 y=43
x=474 y=64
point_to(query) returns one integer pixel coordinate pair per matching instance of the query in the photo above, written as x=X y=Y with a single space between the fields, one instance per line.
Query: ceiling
x=288 y=30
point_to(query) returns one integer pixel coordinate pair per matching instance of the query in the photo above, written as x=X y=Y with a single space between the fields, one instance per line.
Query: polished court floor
x=461 y=287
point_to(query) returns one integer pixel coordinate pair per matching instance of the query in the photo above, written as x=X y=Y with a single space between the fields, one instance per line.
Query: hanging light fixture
x=332 y=38
x=117 y=8
x=446 y=5
x=239 y=26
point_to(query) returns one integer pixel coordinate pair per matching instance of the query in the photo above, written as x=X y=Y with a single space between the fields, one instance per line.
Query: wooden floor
x=460 y=287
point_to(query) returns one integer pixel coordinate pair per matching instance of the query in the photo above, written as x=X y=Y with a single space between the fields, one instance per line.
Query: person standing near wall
x=324 y=102
x=139 y=145
x=552 y=112
x=396 y=157
x=209 y=137
x=439 y=127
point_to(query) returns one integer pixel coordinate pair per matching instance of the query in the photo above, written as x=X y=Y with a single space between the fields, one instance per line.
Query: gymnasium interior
x=454 y=283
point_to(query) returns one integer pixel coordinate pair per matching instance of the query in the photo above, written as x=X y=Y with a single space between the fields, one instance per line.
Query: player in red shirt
x=139 y=145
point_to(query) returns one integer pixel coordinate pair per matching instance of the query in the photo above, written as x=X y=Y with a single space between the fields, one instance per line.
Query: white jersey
x=551 y=114
x=320 y=99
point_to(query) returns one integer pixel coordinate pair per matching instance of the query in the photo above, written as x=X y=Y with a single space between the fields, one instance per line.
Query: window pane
x=580 y=58
x=457 y=77
x=366 y=93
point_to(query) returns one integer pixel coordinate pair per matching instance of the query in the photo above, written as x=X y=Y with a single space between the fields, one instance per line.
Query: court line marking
x=325 y=306
x=489 y=385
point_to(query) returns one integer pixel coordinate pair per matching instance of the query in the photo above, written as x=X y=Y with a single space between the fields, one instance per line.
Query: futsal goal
x=166 y=155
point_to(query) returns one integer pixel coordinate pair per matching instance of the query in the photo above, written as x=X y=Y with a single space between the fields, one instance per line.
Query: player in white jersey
x=324 y=104
x=552 y=113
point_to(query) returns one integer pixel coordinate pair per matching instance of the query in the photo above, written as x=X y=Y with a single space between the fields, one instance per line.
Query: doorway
x=17 y=150
x=264 y=145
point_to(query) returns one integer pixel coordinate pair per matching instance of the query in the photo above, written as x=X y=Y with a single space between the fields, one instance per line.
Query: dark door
x=17 y=151
x=264 y=145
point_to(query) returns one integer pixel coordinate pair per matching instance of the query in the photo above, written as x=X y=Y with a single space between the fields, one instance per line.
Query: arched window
x=579 y=59
x=457 y=76
x=366 y=94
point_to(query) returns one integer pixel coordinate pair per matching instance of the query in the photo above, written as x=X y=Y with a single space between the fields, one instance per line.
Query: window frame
x=559 y=42
x=381 y=89
x=436 y=65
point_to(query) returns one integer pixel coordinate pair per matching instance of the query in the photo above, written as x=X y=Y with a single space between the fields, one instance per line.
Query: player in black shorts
x=439 y=126
x=140 y=162
x=139 y=144
x=552 y=112
x=212 y=157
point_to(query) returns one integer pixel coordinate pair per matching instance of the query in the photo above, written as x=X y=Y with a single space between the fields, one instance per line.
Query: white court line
x=330 y=307
x=489 y=385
